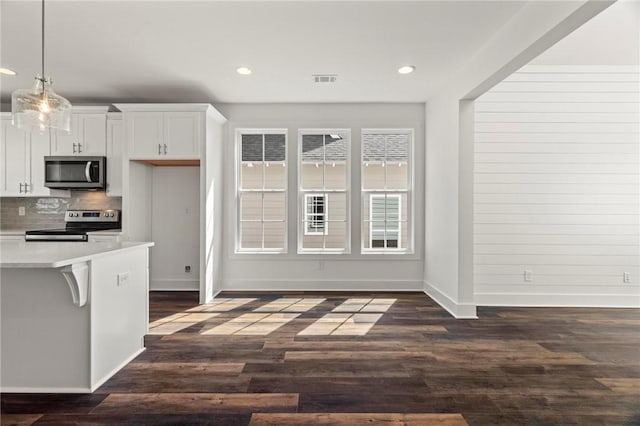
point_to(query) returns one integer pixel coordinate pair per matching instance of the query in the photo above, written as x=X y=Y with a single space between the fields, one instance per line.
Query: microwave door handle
x=87 y=172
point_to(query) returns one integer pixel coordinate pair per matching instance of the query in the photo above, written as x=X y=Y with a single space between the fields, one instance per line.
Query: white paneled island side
x=72 y=314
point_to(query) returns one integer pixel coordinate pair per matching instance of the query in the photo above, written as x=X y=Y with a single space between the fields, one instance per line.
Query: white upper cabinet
x=182 y=133
x=88 y=135
x=161 y=133
x=145 y=134
x=22 y=161
x=15 y=152
x=115 y=146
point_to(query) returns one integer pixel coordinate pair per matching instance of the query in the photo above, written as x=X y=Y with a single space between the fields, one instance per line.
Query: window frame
x=346 y=133
x=385 y=195
x=324 y=214
x=410 y=193
x=239 y=132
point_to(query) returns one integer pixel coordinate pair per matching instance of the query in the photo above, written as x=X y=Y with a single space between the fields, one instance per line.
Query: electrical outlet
x=187 y=269
x=528 y=275
x=21 y=211
x=626 y=277
x=321 y=265
x=123 y=279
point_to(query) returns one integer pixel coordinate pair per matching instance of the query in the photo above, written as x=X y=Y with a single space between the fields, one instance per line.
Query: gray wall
x=293 y=271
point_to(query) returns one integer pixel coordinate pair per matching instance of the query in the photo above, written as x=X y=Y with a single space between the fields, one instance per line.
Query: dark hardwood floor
x=299 y=362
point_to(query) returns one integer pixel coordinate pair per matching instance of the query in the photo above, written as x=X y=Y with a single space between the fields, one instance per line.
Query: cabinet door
x=92 y=134
x=182 y=134
x=115 y=143
x=63 y=143
x=15 y=149
x=40 y=147
x=145 y=135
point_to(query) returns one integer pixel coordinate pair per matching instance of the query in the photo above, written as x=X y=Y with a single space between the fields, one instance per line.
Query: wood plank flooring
x=351 y=359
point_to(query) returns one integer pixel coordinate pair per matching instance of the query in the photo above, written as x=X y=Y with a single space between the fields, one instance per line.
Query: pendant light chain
x=42 y=39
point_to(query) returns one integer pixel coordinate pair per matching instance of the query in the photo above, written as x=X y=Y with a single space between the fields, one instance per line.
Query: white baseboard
x=559 y=300
x=213 y=296
x=458 y=310
x=110 y=374
x=173 y=285
x=19 y=389
x=321 y=285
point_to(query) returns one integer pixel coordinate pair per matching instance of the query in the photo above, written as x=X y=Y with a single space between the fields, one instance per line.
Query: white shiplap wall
x=557 y=188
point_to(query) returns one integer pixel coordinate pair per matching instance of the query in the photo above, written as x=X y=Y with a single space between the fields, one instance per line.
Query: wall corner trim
x=458 y=310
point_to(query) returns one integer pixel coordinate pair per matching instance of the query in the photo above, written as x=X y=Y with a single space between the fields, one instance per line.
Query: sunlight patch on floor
x=354 y=317
x=365 y=305
x=342 y=325
x=256 y=324
x=349 y=318
x=222 y=305
x=174 y=323
x=288 y=304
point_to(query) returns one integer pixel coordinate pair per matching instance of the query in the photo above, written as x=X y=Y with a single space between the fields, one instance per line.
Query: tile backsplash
x=48 y=212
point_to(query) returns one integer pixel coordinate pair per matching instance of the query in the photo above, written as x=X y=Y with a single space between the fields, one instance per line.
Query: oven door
x=75 y=172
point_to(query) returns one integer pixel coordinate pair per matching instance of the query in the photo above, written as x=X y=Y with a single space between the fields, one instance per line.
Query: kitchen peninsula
x=72 y=314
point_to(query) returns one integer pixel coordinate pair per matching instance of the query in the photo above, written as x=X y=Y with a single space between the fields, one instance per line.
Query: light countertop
x=11 y=232
x=103 y=232
x=106 y=232
x=28 y=254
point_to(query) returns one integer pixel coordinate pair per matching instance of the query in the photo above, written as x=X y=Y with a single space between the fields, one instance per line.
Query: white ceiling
x=187 y=51
x=610 y=38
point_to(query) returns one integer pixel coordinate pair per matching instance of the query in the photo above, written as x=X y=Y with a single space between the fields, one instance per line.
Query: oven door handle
x=87 y=171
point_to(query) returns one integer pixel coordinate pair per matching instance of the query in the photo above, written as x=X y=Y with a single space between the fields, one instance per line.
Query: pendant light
x=40 y=107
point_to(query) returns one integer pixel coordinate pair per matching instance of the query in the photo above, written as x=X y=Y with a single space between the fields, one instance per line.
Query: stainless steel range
x=77 y=224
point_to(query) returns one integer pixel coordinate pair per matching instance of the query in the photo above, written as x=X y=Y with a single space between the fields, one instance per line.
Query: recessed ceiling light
x=243 y=71
x=407 y=69
x=7 y=71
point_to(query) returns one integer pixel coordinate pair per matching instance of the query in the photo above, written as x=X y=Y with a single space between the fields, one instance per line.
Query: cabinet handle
x=159 y=149
x=74 y=148
x=165 y=149
x=79 y=148
x=26 y=188
x=21 y=187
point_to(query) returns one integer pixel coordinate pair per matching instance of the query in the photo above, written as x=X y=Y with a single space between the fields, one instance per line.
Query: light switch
x=123 y=278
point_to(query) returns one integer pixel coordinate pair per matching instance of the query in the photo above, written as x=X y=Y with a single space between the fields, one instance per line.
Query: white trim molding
x=169 y=284
x=559 y=300
x=458 y=310
x=321 y=285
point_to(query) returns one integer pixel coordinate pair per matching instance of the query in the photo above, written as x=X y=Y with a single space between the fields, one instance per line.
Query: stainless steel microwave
x=75 y=172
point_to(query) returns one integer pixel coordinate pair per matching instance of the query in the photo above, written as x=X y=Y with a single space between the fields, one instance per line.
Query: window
x=324 y=191
x=262 y=190
x=387 y=166
x=315 y=214
x=384 y=221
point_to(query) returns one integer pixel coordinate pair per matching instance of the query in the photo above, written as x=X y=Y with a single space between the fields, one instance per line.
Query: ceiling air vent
x=324 y=78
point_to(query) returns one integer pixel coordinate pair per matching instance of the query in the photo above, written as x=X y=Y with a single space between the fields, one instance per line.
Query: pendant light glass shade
x=40 y=108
